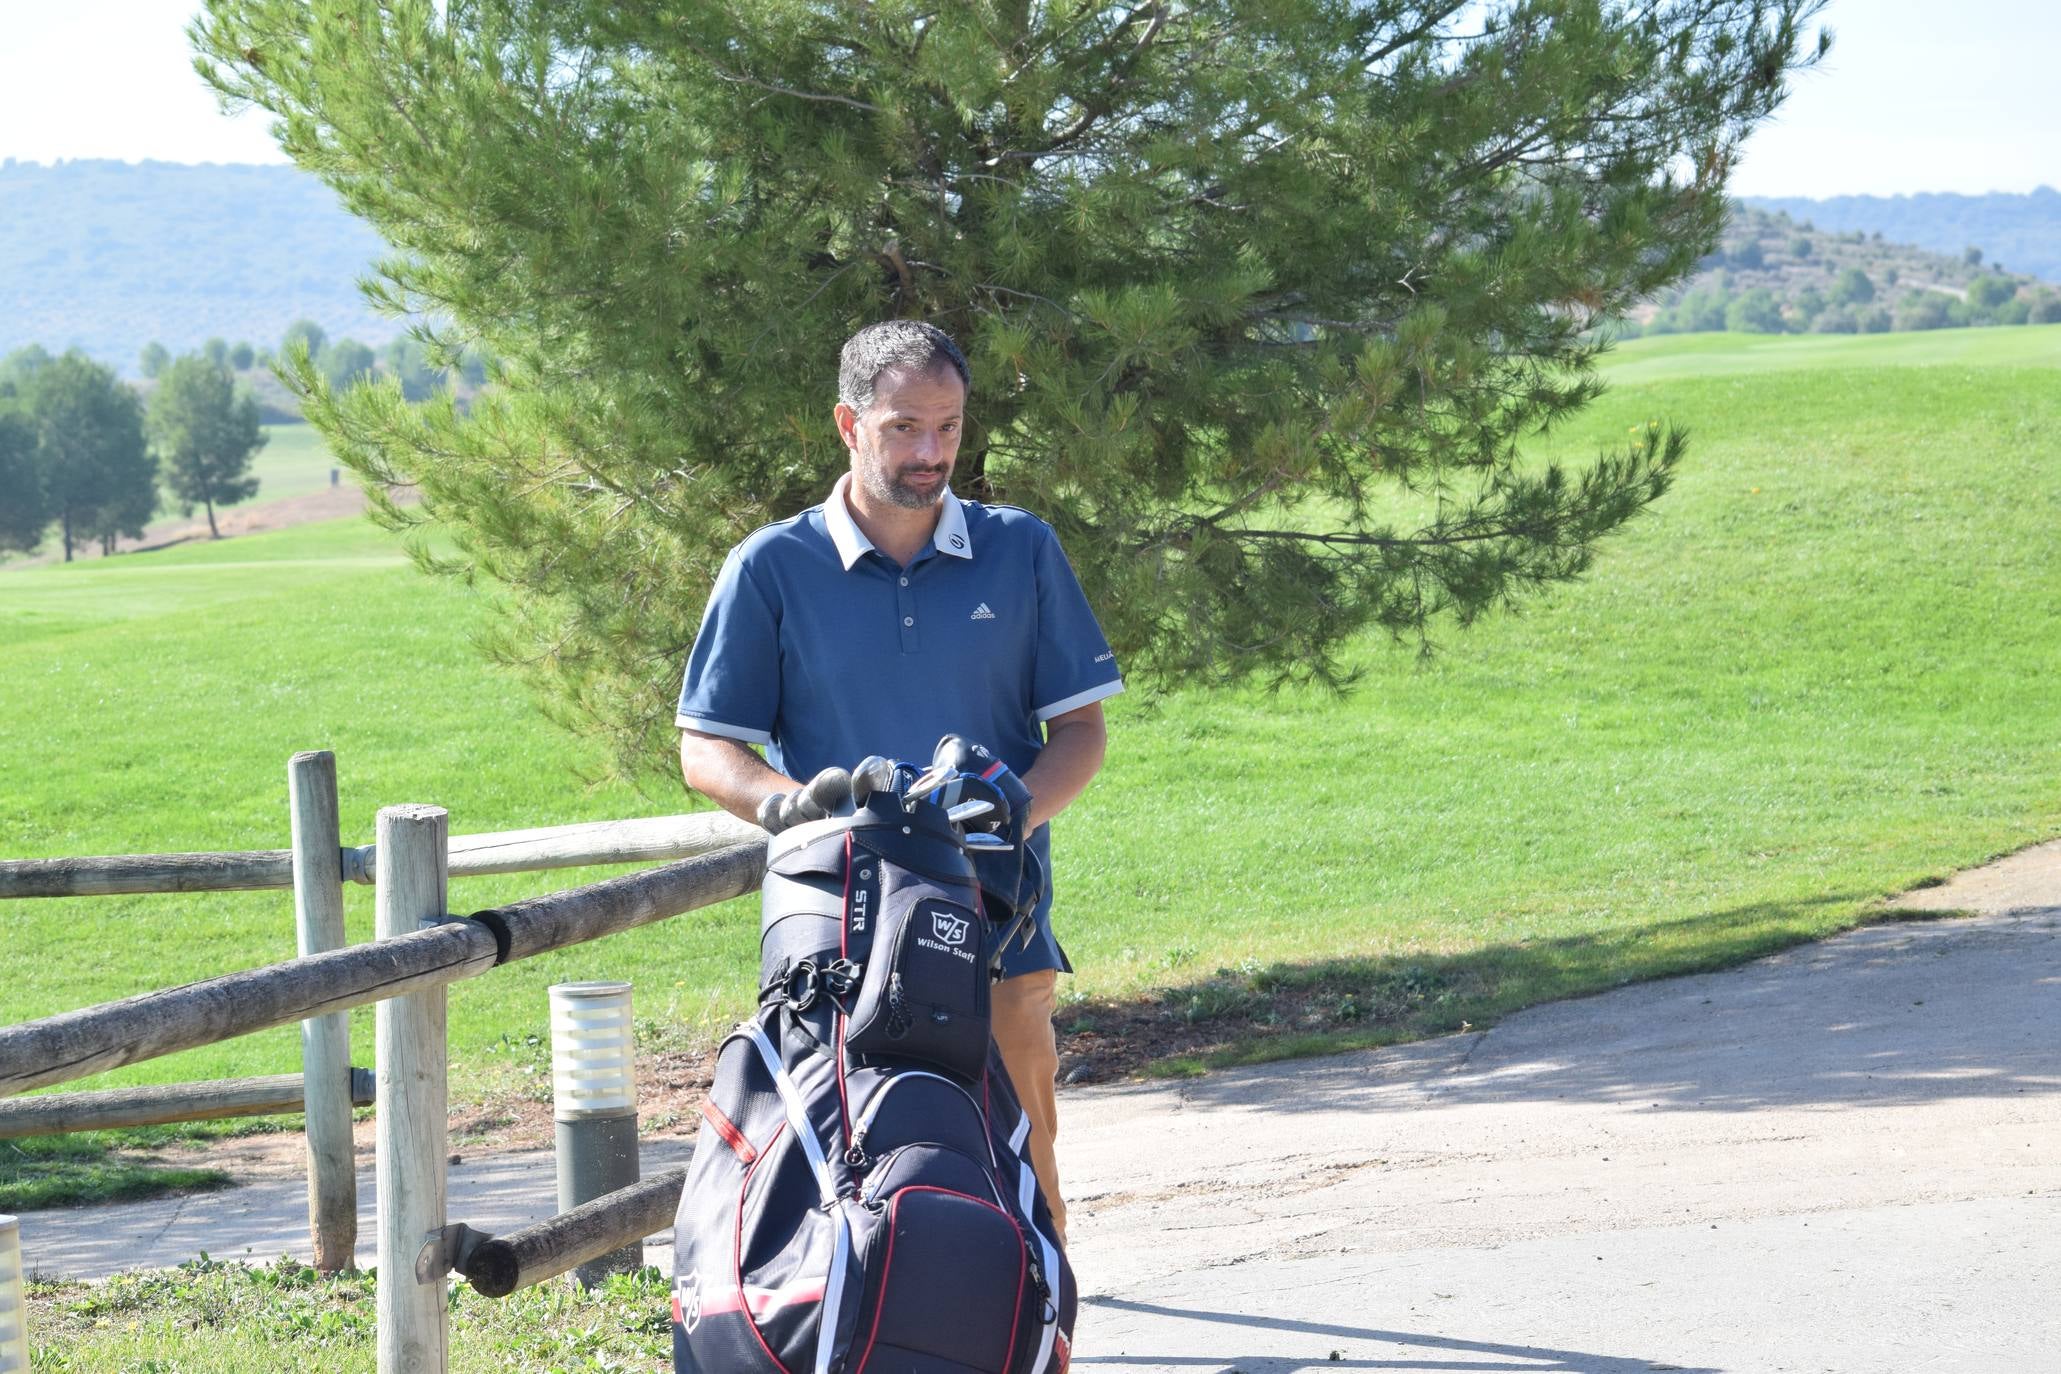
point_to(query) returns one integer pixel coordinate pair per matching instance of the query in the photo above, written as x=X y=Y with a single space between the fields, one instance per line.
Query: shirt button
x=905 y=582
x=908 y=620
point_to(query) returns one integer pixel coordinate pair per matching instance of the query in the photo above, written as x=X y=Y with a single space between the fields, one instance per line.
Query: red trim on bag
x=993 y=771
x=727 y=1129
x=887 y=1265
x=844 y=951
x=760 y=1301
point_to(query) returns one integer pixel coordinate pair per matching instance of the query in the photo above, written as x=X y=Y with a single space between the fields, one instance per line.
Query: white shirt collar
x=948 y=538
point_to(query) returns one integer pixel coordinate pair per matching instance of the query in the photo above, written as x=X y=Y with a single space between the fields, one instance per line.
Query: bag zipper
x=855 y=1154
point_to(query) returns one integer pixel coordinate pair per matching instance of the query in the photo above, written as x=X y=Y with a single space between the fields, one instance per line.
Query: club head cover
x=962 y=755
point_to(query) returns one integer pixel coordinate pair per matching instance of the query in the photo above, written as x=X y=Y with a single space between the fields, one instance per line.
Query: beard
x=888 y=487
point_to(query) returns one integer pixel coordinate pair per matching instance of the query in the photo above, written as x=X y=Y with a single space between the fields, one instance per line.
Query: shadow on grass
x=71 y=1170
x=124 y=1165
x=1874 y=1018
x=1440 y=1352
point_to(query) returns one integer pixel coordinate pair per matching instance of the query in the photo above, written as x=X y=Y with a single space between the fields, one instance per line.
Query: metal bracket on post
x=447 y=1250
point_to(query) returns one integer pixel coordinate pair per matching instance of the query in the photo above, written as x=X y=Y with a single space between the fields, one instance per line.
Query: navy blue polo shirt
x=818 y=646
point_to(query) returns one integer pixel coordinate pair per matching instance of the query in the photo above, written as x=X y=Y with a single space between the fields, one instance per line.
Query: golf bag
x=861 y=1197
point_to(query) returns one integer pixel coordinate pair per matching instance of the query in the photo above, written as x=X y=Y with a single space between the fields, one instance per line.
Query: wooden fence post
x=318 y=916
x=413 y=1103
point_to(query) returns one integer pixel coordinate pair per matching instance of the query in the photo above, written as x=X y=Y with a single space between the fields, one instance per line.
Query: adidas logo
x=981 y=612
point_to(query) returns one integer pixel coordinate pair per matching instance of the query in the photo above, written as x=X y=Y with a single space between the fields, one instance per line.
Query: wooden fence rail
x=499 y=1265
x=161 y=1104
x=72 y=1045
x=648 y=839
x=420 y=950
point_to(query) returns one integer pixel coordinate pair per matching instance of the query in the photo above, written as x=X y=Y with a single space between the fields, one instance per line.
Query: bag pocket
x=924 y=994
x=954 y=1293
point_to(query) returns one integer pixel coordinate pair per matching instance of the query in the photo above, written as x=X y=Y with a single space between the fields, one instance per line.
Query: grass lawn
x=1818 y=673
x=232 y=1319
x=294 y=461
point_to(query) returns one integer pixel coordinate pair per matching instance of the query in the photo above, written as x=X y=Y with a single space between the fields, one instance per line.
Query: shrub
x=1876 y=319
x=1925 y=310
x=2045 y=309
x=1756 y=312
x=1837 y=319
x=1988 y=291
x=1853 y=287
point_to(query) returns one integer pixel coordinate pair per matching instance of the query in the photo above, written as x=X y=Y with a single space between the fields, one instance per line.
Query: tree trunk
x=213 y=533
x=67 y=535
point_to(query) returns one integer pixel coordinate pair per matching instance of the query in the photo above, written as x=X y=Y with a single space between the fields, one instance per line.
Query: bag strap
x=1048 y=1253
x=797 y=1113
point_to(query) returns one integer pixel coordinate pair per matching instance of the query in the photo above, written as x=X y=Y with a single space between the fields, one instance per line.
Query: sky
x=1916 y=96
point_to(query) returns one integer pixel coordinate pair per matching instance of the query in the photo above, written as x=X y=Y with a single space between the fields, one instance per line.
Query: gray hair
x=908 y=346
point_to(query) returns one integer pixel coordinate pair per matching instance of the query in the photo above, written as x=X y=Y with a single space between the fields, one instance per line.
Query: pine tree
x=206 y=434
x=98 y=475
x=24 y=509
x=1261 y=296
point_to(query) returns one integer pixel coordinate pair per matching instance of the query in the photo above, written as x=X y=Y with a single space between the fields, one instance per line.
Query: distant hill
x=1772 y=274
x=108 y=256
x=2021 y=231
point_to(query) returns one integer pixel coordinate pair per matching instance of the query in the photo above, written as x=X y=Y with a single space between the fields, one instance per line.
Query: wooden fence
x=420 y=949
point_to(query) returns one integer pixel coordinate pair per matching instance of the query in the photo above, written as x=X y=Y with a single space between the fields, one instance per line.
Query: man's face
x=904 y=445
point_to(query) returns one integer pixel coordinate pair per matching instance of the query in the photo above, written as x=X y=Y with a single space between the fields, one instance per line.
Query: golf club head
x=823 y=794
x=873 y=774
x=935 y=776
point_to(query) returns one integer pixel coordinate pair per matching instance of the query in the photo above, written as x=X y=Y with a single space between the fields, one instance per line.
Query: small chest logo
x=947 y=927
x=981 y=612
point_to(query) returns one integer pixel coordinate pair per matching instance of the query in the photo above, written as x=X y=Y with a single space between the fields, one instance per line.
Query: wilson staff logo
x=947 y=927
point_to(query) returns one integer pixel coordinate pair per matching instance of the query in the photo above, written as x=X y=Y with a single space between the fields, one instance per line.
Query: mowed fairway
x=1820 y=671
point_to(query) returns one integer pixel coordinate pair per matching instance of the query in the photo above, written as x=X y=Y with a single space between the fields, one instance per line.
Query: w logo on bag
x=947 y=927
x=687 y=1301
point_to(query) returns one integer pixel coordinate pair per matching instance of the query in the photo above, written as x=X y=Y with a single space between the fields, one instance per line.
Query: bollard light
x=14 y=1304
x=594 y=1096
x=593 y=1053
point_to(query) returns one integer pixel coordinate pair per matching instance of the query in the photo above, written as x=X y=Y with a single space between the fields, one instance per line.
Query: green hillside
x=1772 y=274
x=1819 y=672
x=2023 y=230
x=107 y=256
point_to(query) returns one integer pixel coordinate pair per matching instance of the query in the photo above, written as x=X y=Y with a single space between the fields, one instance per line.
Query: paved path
x=1846 y=1157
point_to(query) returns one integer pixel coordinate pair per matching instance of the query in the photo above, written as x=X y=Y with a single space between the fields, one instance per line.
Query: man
x=891 y=615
